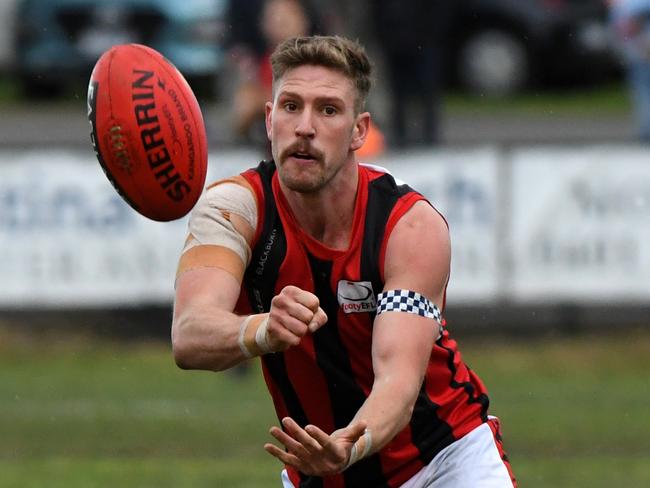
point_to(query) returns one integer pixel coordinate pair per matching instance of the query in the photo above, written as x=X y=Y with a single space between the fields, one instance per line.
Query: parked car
x=501 y=46
x=59 y=41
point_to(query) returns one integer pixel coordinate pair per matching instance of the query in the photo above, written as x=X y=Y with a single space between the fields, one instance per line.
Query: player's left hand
x=310 y=450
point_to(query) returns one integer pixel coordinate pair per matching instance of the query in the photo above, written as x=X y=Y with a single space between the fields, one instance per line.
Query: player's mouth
x=303 y=156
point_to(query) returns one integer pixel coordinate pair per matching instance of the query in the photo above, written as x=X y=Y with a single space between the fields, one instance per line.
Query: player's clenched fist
x=294 y=313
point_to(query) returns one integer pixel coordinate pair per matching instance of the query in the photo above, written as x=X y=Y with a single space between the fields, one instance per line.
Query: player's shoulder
x=238 y=180
x=374 y=172
x=419 y=241
x=421 y=208
x=236 y=186
x=384 y=178
x=233 y=193
x=425 y=218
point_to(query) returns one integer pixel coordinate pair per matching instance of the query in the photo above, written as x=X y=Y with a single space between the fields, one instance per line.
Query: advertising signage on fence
x=580 y=228
x=463 y=186
x=68 y=239
x=528 y=225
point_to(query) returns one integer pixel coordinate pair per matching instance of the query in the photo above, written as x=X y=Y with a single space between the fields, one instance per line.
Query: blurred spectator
x=244 y=35
x=343 y=17
x=631 y=24
x=257 y=27
x=412 y=35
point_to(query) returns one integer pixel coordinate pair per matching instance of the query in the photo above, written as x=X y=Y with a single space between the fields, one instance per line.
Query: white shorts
x=473 y=460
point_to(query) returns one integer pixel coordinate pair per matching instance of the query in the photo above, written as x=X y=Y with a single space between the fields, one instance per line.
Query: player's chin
x=303 y=183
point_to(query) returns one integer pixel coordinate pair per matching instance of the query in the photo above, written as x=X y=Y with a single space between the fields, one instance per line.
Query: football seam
x=139 y=193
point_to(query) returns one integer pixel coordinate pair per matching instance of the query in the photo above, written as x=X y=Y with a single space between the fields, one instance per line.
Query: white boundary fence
x=529 y=225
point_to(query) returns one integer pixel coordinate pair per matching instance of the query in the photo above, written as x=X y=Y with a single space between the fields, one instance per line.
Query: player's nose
x=305 y=124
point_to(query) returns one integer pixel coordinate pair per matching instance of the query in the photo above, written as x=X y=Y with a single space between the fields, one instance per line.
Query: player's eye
x=290 y=106
x=329 y=110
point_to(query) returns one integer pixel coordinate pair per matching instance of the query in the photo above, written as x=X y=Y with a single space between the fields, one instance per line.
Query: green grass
x=605 y=100
x=9 y=90
x=575 y=410
x=78 y=412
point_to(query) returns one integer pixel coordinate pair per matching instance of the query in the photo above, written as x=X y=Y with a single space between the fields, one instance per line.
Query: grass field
x=605 y=100
x=84 y=412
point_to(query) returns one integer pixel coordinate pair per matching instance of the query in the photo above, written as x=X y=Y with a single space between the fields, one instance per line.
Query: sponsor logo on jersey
x=356 y=296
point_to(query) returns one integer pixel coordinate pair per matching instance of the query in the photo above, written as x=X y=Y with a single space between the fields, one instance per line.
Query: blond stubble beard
x=307 y=185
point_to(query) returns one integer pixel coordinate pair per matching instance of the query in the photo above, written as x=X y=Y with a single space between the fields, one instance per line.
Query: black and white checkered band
x=407 y=301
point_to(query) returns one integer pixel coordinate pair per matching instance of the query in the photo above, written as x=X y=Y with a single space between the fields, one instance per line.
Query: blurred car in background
x=58 y=41
x=502 y=46
x=497 y=47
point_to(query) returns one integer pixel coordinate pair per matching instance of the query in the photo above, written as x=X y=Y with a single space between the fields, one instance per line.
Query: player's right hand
x=312 y=451
x=294 y=313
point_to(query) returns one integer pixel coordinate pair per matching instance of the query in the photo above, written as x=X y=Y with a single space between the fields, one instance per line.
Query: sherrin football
x=147 y=131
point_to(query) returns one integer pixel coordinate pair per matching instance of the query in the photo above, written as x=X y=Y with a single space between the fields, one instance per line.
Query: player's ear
x=268 y=109
x=360 y=130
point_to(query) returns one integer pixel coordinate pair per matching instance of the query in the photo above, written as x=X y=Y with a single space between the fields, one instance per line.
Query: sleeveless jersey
x=326 y=378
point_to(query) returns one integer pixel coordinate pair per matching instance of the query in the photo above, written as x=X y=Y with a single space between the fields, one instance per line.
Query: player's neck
x=327 y=215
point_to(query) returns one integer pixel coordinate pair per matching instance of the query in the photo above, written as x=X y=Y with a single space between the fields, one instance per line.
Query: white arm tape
x=260 y=337
x=240 y=339
x=208 y=225
x=354 y=453
x=234 y=198
x=368 y=435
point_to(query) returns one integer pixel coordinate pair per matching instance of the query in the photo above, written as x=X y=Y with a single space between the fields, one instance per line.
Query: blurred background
x=526 y=122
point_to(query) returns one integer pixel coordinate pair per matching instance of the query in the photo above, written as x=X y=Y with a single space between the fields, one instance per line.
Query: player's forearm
x=387 y=410
x=206 y=339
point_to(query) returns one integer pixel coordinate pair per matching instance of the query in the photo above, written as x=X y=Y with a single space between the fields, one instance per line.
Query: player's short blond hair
x=335 y=52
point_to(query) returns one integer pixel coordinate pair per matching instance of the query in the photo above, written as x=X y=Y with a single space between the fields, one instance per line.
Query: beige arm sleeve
x=221 y=226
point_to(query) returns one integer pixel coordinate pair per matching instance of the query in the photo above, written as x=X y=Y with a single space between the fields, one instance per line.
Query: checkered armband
x=407 y=301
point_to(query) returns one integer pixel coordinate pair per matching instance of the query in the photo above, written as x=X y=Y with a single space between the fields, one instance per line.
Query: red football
x=147 y=131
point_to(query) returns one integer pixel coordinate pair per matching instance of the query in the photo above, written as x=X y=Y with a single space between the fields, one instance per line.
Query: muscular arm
x=402 y=342
x=417 y=259
x=204 y=329
x=205 y=332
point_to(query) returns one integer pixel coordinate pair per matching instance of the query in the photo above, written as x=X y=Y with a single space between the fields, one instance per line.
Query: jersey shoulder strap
x=269 y=245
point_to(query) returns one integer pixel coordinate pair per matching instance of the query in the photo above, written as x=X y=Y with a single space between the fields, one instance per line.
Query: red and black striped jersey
x=327 y=377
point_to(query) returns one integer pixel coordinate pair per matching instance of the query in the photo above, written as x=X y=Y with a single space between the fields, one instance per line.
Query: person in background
x=277 y=20
x=334 y=274
x=413 y=36
x=630 y=20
